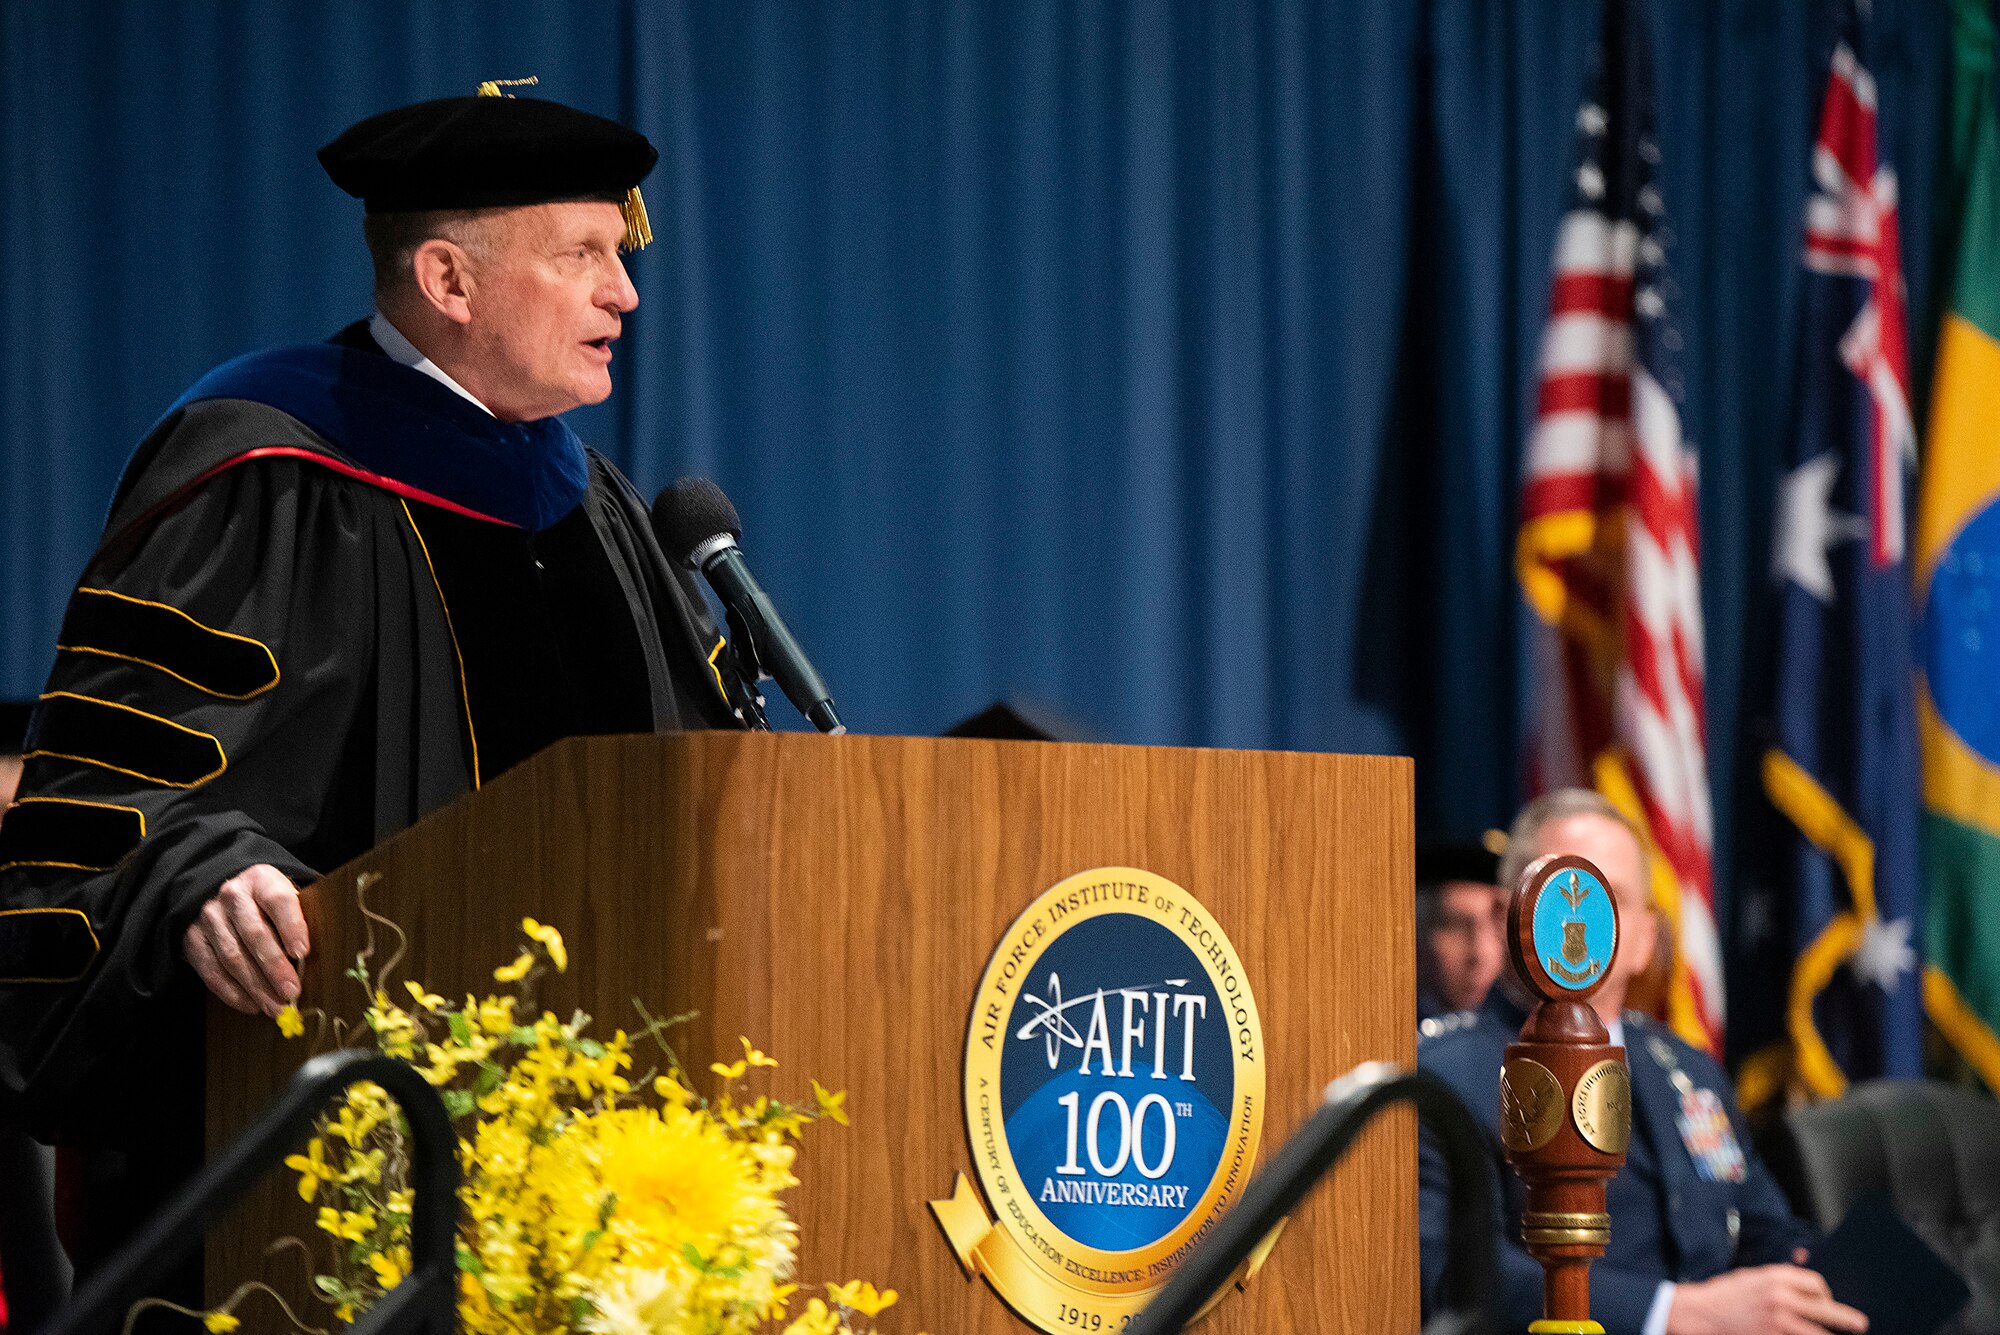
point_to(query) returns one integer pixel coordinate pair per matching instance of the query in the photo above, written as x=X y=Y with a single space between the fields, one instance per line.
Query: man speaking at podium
x=1702 y=1242
x=340 y=585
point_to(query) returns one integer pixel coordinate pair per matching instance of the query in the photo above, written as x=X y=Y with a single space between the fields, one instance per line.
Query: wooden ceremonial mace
x=1565 y=1092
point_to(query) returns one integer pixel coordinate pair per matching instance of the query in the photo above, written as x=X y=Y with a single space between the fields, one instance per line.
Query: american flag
x=1608 y=555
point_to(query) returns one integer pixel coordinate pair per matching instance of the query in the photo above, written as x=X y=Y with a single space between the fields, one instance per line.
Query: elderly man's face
x=548 y=297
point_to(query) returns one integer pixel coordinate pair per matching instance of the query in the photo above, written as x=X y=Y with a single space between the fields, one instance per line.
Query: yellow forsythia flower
x=860 y=1296
x=515 y=972
x=291 y=1025
x=395 y=1028
x=754 y=1057
x=389 y=1267
x=817 y=1319
x=780 y=1297
x=830 y=1103
x=311 y=1167
x=361 y=1168
x=732 y=1071
x=353 y=1225
x=364 y=1110
x=219 y=1323
x=551 y=940
x=430 y=1001
x=490 y=1018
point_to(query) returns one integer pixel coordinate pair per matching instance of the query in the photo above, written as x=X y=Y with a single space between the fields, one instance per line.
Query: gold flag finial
x=638 y=229
x=492 y=87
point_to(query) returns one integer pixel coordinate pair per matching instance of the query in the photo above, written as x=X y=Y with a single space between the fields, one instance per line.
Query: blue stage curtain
x=1167 y=363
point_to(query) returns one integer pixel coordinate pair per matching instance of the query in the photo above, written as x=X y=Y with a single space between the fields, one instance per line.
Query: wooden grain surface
x=836 y=900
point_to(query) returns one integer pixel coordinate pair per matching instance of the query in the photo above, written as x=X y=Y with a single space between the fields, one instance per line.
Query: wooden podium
x=838 y=900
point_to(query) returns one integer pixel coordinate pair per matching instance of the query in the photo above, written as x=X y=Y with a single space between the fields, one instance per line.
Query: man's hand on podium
x=247 y=939
x=1786 y=1299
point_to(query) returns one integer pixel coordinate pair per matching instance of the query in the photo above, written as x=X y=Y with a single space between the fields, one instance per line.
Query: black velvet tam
x=485 y=152
x=1461 y=860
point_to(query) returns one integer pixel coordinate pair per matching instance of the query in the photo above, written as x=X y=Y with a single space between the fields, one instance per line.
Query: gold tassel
x=492 y=87
x=638 y=229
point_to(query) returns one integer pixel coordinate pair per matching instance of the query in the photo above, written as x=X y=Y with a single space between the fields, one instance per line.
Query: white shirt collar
x=391 y=340
x=1617 y=1028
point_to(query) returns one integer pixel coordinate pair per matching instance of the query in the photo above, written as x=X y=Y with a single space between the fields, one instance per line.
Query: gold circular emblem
x=1114 y=1097
x=1602 y=1106
x=1531 y=1105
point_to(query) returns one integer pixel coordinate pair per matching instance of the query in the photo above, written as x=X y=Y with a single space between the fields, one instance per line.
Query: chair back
x=1934 y=1149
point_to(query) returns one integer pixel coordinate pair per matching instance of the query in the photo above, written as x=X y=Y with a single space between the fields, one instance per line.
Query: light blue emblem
x=1575 y=929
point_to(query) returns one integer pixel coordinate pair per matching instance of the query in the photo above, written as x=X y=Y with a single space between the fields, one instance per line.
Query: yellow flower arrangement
x=587 y=1207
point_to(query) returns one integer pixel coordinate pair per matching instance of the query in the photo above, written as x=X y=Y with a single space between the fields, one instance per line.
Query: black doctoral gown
x=332 y=595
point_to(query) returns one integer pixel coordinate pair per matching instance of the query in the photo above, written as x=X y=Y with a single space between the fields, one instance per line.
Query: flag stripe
x=1578 y=443
x=1609 y=394
x=1598 y=293
x=1586 y=341
x=1573 y=491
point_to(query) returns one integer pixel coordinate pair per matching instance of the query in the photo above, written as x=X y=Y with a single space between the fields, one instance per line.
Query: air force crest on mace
x=1114 y=1095
x=1574 y=929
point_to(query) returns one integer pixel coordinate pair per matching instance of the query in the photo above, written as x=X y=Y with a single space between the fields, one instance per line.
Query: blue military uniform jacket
x=1692 y=1201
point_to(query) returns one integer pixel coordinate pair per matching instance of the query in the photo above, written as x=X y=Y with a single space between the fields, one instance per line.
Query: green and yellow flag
x=1957 y=573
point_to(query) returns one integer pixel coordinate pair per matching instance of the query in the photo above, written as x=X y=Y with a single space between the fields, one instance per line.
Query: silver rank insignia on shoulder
x=1437 y=1026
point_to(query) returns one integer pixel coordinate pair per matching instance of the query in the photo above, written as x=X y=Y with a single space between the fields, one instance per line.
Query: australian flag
x=1842 y=768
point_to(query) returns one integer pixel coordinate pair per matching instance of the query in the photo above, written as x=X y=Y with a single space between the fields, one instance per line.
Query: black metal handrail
x=425 y=1300
x=1313 y=1150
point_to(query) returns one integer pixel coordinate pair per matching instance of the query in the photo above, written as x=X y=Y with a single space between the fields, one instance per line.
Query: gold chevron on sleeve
x=69 y=833
x=124 y=740
x=108 y=624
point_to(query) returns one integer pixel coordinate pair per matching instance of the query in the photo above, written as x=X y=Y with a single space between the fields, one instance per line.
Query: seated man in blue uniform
x=1702 y=1241
x=341 y=584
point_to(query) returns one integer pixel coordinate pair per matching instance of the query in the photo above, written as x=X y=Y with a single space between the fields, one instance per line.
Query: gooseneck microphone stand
x=1351 y=1101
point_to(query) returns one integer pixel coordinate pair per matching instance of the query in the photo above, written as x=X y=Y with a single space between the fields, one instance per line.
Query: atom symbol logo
x=1051 y=1018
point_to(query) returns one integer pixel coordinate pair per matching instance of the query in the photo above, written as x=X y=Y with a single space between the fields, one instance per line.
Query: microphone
x=697 y=525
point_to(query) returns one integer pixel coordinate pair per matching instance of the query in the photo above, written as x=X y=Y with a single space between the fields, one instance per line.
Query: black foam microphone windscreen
x=689 y=513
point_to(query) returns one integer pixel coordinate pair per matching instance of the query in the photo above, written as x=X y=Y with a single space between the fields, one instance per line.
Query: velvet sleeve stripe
x=155 y=635
x=124 y=740
x=45 y=945
x=66 y=832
